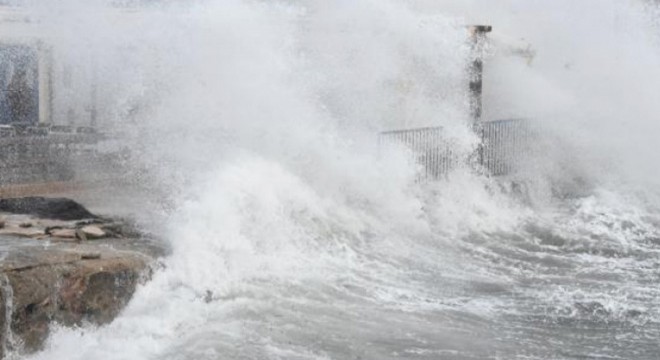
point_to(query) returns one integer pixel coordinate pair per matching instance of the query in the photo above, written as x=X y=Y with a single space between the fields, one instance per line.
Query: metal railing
x=44 y=154
x=504 y=143
x=431 y=147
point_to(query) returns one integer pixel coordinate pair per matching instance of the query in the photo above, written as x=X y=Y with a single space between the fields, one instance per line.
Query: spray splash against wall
x=293 y=238
x=585 y=69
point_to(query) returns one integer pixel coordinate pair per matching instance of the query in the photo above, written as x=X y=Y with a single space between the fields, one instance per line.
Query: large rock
x=50 y=208
x=60 y=277
x=68 y=284
x=23 y=232
x=93 y=232
x=63 y=233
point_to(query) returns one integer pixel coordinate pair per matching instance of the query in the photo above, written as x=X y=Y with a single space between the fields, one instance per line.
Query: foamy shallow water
x=552 y=287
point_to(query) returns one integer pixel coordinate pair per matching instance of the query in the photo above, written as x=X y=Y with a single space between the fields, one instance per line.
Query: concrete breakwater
x=43 y=155
x=69 y=272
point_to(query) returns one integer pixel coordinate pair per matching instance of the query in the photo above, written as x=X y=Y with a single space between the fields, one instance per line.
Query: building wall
x=57 y=86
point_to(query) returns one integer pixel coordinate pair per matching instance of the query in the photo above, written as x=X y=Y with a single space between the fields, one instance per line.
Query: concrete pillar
x=477 y=39
x=476 y=73
x=45 y=69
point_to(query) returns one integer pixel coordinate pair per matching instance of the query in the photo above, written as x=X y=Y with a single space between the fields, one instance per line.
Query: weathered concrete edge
x=74 y=288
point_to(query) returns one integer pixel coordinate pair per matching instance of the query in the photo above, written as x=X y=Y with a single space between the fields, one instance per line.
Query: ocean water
x=252 y=127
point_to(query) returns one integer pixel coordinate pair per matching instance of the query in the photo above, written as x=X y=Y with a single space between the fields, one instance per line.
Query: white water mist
x=257 y=121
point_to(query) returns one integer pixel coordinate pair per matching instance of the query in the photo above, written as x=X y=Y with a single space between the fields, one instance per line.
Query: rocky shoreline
x=83 y=269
